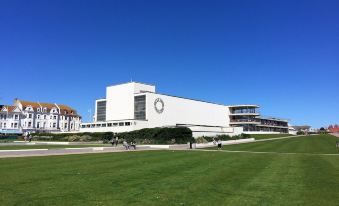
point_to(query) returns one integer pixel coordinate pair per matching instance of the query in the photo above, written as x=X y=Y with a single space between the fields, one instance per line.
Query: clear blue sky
x=282 y=55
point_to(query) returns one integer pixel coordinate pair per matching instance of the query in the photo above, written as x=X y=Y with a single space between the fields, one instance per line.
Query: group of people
x=128 y=146
x=27 y=137
x=217 y=142
x=115 y=141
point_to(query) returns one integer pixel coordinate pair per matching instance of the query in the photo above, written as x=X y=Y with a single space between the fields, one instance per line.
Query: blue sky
x=282 y=55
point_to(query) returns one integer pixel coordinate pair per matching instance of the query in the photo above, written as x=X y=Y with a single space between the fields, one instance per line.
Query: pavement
x=335 y=134
x=91 y=150
x=67 y=151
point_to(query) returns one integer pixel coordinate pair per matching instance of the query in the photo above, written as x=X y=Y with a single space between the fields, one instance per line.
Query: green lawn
x=304 y=144
x=23 y=147
x=176 y=177
x=268 y=136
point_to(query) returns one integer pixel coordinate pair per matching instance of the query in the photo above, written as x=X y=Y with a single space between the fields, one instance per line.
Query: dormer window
x=45 y=109
x=38 y=109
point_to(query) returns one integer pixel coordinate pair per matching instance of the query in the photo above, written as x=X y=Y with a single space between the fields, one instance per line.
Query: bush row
x=180 y=135
x=74 y=137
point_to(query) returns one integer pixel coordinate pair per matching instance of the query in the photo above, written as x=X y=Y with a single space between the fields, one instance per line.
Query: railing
x=245 y=120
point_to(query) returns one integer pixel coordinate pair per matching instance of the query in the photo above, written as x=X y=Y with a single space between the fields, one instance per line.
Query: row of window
x=4 y=116
x=13 y=125
x=115 y=124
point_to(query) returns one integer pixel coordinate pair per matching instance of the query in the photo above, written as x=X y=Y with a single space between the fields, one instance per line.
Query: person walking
x=116 y=141
x=125 y=145
x=219 y=144
x=134 y=145
x=112 y=141
x=25 y=136
x=29 y=136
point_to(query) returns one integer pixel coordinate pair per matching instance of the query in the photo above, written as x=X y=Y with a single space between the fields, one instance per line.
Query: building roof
x=8 y=107
x=64 y=109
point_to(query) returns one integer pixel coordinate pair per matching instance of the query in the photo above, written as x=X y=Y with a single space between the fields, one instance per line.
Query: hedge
x=178 y=135
x=70 y=137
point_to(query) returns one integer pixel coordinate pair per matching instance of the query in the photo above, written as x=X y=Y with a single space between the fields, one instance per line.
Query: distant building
x=302 y=128
x=132 y=106
x=38 y=117
x=333 y=128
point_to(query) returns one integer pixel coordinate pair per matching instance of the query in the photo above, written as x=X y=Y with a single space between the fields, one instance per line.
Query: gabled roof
x=64 y=109
x=8 y=108
x=67 y=109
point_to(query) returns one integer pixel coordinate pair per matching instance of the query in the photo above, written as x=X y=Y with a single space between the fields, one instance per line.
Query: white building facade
x=132 y=106
x=38 y=117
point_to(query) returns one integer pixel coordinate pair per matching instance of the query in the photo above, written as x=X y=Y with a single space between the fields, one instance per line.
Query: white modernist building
x=132 y=106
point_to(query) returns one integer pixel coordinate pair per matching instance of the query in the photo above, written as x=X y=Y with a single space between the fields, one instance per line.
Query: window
x=38 y=116
x=38 y=125
x=101 y=111
x=127 y=124
x=38 y=109
x=54 y=117
x=140 y=107
x=16 y=116
x=45 y=110
x=109 y=124
x=54 y=125
x=29 y=124
x=65 y=125
x=4 y=124
x=83 y=126
x=121 y=124
x=30 y=116
x=15 y=125
x=45 y=117
x=104 y=125
x=115 y=124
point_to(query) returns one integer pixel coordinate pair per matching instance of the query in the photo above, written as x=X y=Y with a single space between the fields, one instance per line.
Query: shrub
x=300 y=133
x=177 y=135
x=83 y=137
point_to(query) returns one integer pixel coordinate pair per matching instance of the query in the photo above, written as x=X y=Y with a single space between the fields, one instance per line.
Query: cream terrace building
x=38 y=117
x=132 y=106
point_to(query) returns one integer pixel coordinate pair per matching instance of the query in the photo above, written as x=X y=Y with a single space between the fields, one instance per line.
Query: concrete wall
x=185 y=111
x=120 y=100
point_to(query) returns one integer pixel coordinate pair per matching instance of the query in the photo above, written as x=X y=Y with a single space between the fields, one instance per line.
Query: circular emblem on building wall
x=159 y=105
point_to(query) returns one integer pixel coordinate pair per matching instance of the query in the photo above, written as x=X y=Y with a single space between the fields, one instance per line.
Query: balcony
x=244 y=111
x=244 y=121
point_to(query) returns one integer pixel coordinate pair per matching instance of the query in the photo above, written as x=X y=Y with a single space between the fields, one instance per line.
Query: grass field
x=268 y=136
x=305 y=144
x=23 y=147
x=178 y=177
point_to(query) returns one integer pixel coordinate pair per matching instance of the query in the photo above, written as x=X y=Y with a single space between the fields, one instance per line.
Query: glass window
x=140 y=107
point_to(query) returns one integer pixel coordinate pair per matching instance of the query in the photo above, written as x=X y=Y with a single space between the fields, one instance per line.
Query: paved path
x=90 y=150
x=66 y=151
x=335 y=134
